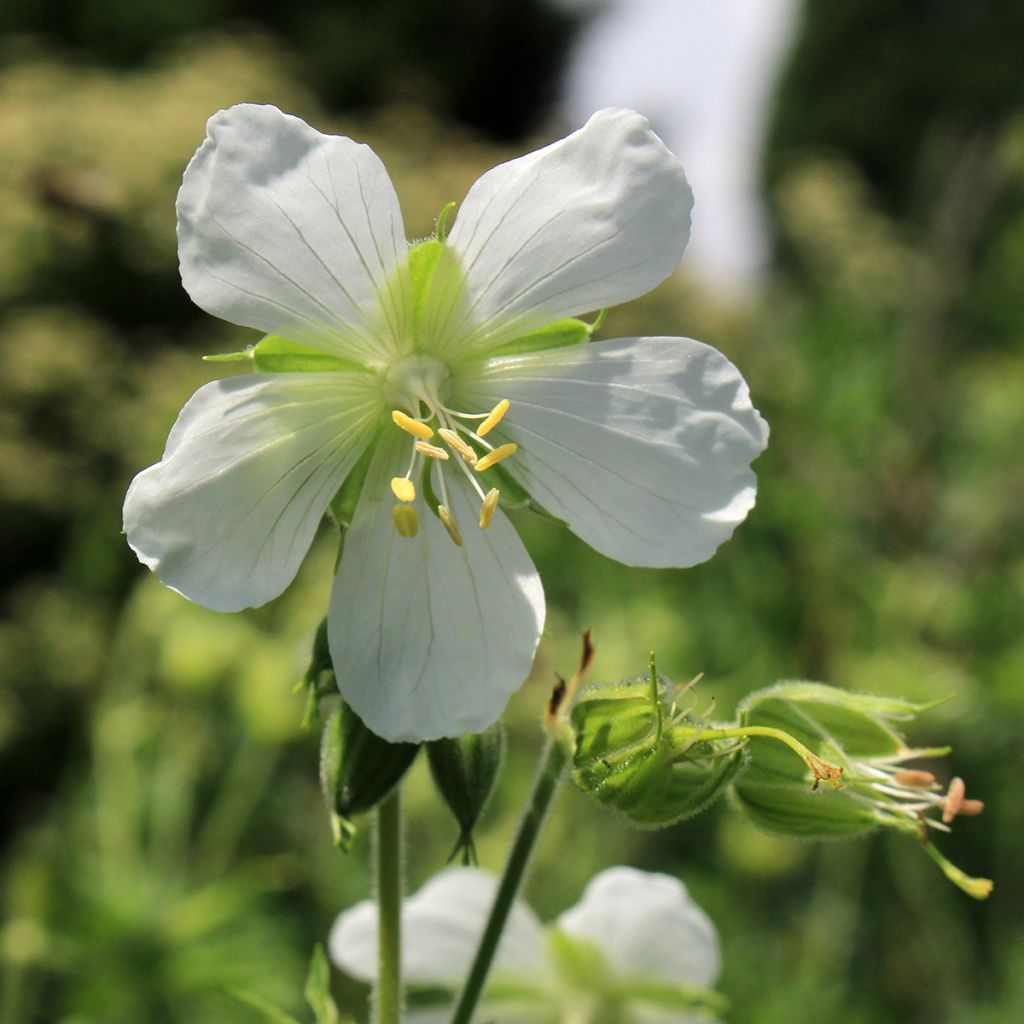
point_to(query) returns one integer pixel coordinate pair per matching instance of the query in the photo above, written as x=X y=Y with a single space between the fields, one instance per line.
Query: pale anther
x=493 y=458
x=411 y=426
x=913 y=778
x=403 y=489
x=449 y=524
x=430 y=449
x=488 y=507
x=405 y=520
x=954 y=799
x=493 y=418
x=457 y=444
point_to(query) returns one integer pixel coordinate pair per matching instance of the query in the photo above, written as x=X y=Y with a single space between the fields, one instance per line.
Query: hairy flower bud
x=858 y=733
x=358 y=769
x=630 y=755
x=465 y=770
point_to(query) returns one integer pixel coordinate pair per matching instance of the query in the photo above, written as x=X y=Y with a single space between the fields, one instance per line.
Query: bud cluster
x=642 y=748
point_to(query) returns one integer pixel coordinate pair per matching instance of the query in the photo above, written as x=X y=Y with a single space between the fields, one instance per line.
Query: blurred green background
x=163 y=838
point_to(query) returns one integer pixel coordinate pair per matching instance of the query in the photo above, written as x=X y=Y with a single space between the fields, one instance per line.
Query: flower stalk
x=389 y=859
x=549 y=774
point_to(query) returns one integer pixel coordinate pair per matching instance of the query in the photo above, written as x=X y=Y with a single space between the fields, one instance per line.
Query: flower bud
x=629 y=755
x=857 y=732
x=357 y=769
x=465 y=770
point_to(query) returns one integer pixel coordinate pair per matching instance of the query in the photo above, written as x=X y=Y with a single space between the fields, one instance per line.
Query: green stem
x=552 y=764
x=388 y=994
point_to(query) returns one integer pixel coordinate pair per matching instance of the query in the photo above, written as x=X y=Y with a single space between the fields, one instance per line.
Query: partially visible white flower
x=414 y=381
x=635 y=950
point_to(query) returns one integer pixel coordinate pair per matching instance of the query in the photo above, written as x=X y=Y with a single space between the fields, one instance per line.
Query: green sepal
x=423 y=257
x=274 y=354
x=465 y=770
x=318 y=681
x=358 y=769
x=343 y=505
x=318 y=989
x=626 y=758
x=775 y=791
x=558 y=334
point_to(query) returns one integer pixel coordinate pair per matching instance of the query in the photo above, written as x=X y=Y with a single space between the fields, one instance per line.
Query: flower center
x=422 y=386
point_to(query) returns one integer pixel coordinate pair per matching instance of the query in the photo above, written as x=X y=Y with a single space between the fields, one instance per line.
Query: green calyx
x=465 y=770
x=274 y=354
x=358 y=769
x=858 y=733
x=628 y=754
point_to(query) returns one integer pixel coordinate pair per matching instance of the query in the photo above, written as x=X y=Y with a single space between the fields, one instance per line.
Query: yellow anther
x=493 y=417
x=403 y=489
x=411 y=426
x=430 y=449
x=499 y=454
x=456 y=443
x=449 y=524
x=405 y=520
x=488 y=507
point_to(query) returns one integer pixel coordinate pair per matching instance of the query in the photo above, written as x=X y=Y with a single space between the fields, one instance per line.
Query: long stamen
x=487 y=509
x=457 y=444
x=498 y=455
x=405 y=519
x=449 y=524
x=493 y=418
x=432 y=450
x=403 y=488
x=411 y=426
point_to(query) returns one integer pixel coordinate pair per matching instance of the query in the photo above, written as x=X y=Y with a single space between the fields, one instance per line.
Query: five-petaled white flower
x=420 y=369
x=636 y=949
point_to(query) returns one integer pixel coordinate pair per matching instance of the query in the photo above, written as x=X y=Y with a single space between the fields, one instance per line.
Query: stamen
x=954 y=799
x=488 y=507
x=403 y=488
x=913 y=778
x=455 y=442
x=493 y=418
x=405 y=520
x=430 y=449
x=498 y=455
x=449 y=524
x=411 y=426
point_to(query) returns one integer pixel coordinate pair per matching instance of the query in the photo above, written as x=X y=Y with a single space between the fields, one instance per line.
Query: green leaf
x=318 y=989
x=267 y=1011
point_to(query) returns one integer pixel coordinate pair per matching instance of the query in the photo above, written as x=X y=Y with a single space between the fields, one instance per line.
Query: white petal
x=593 y=220
x=429 y=639
x=642 y=445
x=647 y=926
x=250 y=466
x=441 y=927
x=292 y=232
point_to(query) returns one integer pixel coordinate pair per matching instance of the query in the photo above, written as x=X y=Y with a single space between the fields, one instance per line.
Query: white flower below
x=435 y=382
x=635 y=950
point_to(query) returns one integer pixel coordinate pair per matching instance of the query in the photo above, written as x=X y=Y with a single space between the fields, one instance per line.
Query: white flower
x=641 y=445
x=635 y=950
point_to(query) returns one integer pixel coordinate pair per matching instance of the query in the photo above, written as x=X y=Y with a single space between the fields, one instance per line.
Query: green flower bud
x=465 y=770
x=858 y=733
x=357 y=769
x=637 y=752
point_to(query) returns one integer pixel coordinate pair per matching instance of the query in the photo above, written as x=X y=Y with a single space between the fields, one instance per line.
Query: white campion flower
x=636 y=949
x=417 y=369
